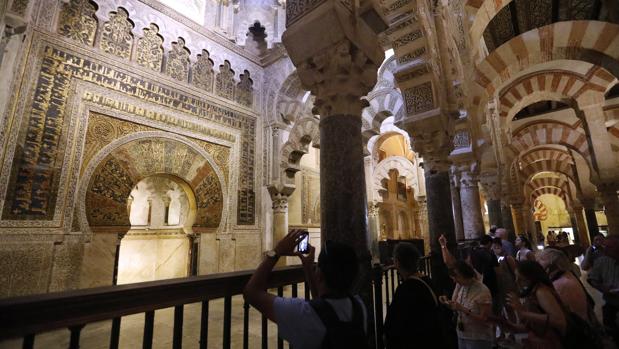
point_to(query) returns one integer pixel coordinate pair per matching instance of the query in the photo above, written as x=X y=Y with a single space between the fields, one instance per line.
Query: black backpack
x=341 y=334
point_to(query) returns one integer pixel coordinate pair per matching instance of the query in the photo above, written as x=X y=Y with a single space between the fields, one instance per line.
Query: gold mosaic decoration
x=202 y=72
x=149 y=52
x=116 y=37
x=102 y=130
x=120 y=171
x=177 y=64
x=35 y=173
x=224 y=82
x=245 y=91
x=77 y=21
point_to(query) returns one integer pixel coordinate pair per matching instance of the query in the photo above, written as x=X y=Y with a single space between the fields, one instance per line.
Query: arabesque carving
x=202 y=72
x=244 y=90
x=116 y=37
x=149 y=52
x=224 y=82
x=177 y=64
x=77 y=21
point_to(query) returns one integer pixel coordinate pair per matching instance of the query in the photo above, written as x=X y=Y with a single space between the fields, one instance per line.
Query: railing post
x=280 y=341
x=378 y=305
x=265 y=333
x=227 y=320
x=386 y=273
x=74 y=343
x=177 y=339
x=204 y=325
x=149 y=321
x=245 y=325
x=115 y=334
x=28 y=342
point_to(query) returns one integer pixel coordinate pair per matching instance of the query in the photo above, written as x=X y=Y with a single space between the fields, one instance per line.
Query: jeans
x=474 y=344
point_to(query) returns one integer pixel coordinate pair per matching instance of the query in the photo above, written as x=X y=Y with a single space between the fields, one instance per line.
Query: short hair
x=598 y=235
x=525 y=241
x=339 y=265
x=493 y=229
x=485 y=240
x=557 y=258
x=497 y=241
x=407 y=256
x=462 y=268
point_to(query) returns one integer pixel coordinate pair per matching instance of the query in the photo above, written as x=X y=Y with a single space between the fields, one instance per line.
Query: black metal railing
x=29 y=316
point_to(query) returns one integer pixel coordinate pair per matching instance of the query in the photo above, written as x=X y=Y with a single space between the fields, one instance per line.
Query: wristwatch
x=271 y=254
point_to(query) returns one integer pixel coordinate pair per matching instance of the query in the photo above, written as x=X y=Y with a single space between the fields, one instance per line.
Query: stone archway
x=117 y=168
x=114 y=171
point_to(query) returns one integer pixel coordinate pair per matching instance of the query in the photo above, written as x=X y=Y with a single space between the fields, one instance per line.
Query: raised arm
x=448 y=258
x=309 y=270
x=255 y=291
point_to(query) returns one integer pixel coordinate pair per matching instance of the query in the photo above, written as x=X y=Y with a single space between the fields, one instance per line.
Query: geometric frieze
x=77 y=21
x=149 y=52
x=116 y=37
x=37 y=164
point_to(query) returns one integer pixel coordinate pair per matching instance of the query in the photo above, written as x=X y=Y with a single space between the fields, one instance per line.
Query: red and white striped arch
x=557 y=85
x=589 y=41
x=550 y=132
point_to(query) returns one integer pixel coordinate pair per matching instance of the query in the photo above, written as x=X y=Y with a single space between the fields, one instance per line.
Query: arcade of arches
x=149 y=139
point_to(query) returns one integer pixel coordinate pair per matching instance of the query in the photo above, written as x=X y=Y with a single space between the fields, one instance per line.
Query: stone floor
x=96 y=335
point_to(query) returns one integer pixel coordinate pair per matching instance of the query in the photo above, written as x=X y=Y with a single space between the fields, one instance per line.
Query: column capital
x=280 y=203
x=339 y=76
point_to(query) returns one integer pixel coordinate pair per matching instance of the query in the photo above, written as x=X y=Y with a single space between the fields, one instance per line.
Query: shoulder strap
x=429 y=289
x=325 y=312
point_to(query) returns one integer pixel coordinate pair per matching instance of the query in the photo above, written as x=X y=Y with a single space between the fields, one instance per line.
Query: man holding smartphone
x=334 y=318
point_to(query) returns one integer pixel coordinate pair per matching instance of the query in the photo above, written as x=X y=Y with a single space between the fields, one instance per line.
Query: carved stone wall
x=102 y=101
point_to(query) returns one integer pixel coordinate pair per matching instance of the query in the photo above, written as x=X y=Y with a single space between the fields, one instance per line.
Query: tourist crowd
x=504 y=296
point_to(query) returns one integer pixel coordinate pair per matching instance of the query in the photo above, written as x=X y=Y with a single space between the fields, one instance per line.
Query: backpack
x=341 y=334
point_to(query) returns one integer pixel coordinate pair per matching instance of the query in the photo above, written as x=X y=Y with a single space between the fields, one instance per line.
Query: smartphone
x=303 y=245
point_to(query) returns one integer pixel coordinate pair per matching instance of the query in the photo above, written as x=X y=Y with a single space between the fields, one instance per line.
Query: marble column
x=611 y=207
x=494 y=213
x=583 y=235
x=280 y=220
x=529 y=224
x=592 y=222
x=374 y=228
x=456 y=205
x=575 y=228
x=492 y=191
x=508 y=220
x=471 y=206
x=519 y=224
x=440 y=217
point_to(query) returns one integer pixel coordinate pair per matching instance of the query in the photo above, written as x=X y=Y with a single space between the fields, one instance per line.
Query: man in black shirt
x=413 y=316
x=485 y=262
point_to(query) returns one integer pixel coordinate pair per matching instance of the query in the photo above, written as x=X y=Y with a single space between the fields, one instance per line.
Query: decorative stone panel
x=149 y=52
x=116 y=37
x=77 y=21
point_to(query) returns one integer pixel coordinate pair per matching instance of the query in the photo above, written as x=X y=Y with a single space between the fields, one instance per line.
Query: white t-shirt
x=299 y=324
